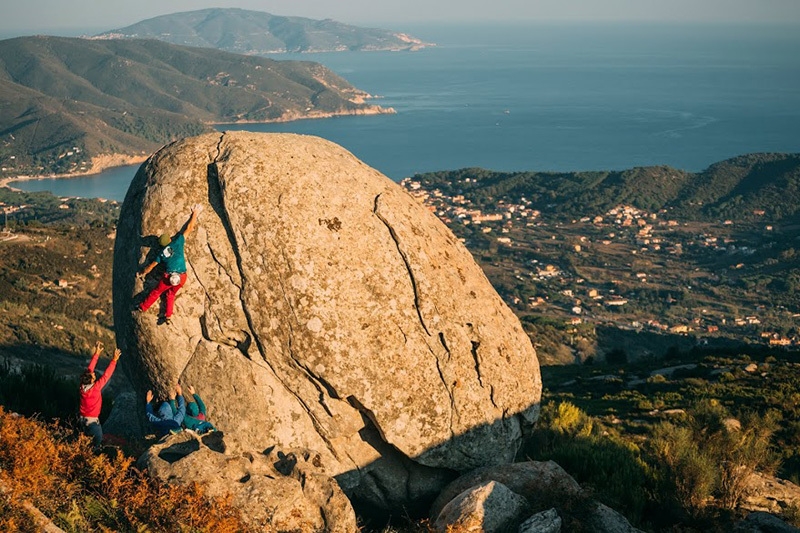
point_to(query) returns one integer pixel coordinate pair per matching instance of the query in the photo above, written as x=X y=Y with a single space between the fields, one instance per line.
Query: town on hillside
x=624 y=268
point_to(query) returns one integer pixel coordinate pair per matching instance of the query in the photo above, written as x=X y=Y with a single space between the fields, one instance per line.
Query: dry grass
x=55 y=471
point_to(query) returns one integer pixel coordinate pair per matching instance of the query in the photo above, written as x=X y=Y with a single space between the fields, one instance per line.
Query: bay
x=562 y=98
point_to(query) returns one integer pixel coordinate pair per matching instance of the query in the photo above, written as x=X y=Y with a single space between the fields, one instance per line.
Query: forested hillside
x=68 y=100
x=733 y=188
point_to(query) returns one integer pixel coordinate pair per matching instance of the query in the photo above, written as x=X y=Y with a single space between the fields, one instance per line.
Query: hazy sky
x=23 y=17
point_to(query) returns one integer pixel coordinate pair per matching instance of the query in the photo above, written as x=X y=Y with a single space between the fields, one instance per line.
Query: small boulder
x=543 y=485
x=540 y=482
x=490 y=507
x=761 y=522
x=545 y=522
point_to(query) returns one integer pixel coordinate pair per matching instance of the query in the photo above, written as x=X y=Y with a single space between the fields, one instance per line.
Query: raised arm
x=190 y=225
x=98 y=349
x=148 y=408
x=200 y=405
x=101 y=382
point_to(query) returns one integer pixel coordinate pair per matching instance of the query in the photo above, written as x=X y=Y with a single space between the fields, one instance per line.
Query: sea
x=553 y=97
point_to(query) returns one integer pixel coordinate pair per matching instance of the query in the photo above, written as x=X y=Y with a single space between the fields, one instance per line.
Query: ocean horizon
x=553 y=97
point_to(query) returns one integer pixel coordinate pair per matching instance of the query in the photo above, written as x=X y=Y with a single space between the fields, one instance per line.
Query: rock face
x=325 y=309
x=770 y=494
x=276 y=491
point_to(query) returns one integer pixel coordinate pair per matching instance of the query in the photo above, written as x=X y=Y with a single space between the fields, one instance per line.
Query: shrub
x=569 y=420
x=55 y=470
x=611 y=466
x=711 y=455
x=683 y=470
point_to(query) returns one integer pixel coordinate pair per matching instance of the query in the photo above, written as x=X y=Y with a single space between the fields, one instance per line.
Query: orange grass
x=55 y=470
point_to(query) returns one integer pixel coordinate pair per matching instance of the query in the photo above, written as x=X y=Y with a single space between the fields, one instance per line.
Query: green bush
x=683 y=471
x=569 y=420
x=610 y=466
x=711 y=455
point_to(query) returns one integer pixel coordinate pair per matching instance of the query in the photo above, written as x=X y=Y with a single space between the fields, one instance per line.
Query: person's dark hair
x=87 y=378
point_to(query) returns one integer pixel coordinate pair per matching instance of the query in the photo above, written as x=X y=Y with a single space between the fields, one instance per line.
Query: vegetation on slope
x=55 y=278
x=52 y=469
x=66 y=101
x=688 y=258
x=675 y=445
x=733 y=188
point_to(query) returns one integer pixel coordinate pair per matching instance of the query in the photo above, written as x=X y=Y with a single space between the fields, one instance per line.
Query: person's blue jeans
x=94 y=430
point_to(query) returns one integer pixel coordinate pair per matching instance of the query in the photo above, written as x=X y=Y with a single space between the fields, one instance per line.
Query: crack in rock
x=444 y=344
x=216 y=199
x=283 y=287
x=449 y=392
x=222 y=266
x=474 y=350
x=323 y=387
x=215 y=193
x=406 y=261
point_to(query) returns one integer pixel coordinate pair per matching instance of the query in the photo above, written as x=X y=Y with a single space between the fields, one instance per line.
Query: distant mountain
x=64 y=101
x=257 y=33
x=745 y=187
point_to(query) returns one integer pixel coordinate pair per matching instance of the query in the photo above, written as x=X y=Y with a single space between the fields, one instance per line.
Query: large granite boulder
x=325 y=309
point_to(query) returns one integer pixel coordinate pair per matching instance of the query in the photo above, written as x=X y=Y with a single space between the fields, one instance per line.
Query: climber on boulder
x=174 y=260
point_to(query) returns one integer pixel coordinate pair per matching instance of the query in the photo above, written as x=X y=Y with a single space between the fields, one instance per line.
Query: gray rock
x=769 y=494
x=539 y=482
x=489 y=507
x=325 y=309
x=543 y=485
x=275 y=491
x=544 y=522
x=120 y=420
x=604 y=519
x=761 y=522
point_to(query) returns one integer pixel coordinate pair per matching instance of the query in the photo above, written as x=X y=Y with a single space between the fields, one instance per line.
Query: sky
x=75 y=17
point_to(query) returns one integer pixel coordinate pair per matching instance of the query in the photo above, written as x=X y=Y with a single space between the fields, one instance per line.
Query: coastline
x=100 y=163
x=315 y=115
x=104 y=162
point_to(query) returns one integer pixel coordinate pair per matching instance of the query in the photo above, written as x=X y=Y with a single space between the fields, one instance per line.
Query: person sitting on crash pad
x=196 y=418
x=169 y=416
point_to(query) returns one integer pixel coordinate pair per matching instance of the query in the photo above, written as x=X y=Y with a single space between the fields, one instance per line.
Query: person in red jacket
x=91 y=398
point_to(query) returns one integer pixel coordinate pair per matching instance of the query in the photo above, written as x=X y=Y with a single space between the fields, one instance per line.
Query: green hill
x=732 y=189
x=132 y=96
x=255 y=32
